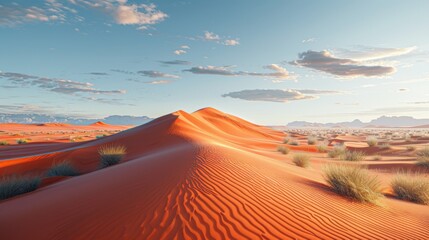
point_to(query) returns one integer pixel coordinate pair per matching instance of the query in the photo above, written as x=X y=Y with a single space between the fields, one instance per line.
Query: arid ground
x=204 y=175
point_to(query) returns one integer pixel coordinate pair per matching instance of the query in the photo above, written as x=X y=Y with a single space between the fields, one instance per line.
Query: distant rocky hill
x=383 y=121
x=42 y=118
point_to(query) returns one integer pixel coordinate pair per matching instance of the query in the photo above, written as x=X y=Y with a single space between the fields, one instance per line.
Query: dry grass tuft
x=111 y=154
x=301 y=160
x=354 y=182
x=411 y=187
x=284 y=150
x=14 y=185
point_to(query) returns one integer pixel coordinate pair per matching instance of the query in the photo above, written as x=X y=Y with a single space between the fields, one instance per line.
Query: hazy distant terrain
x=383 y=121
x=42 y=118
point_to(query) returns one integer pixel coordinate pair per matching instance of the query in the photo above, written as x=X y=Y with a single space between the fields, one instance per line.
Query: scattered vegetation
x=301 y=160
x=3 y=143
x=62 y=169
x=354 y=182
x=337 y=151
x=286 y=140
x=311 y=140
x=14 y=185
x=411 y=187
x=423 y=162
x=100 y=136
x=22 y=141
x=283 y=149
x=111 y=154
x=322 y=148
x=423 y=158
x=377 y=158
x=371 y=141
x=352 y=156
x=293 y=142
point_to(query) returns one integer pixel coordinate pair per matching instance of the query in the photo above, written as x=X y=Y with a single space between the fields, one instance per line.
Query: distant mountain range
x=42 y=118
x=383 y=121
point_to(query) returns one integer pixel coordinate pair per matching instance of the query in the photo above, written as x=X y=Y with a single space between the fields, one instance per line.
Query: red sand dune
x=99 y=123
x=206 y=175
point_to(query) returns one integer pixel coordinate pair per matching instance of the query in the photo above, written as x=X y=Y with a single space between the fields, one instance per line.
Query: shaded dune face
x=205 y=175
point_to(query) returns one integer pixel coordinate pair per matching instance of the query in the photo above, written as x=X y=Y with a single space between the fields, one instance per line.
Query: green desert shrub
x=311 y=140
x=301 y=160
x=352 y=156
x=322 y=148
x=283 y=149
x=111 y=154
x=371 y=141
x=337 y=151
x=3 y=143
x=15 y=185
x=411 y=187
x=62 y=169
x=22 y=141
x=354 y=182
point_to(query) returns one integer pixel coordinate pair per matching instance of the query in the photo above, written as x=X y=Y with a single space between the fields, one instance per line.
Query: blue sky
x=271 y=62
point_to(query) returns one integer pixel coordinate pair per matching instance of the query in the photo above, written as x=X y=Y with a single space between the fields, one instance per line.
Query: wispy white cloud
x=278 y=95
x=179 y=52
x=176 y=62
x=156 y=74
x=364 y=53
x=212 y=37
x=308 y=40
x=122 y=12
x=325 y=61
x=58 y=85
x=157 y=82
x=279 y=73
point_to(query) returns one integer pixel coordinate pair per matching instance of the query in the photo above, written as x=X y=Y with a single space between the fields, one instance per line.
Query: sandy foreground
x=205 y=175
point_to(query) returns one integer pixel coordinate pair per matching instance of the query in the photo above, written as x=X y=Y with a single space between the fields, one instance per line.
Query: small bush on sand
x=3 y=143
x=352 y=156
x=283 y=149
x=311 y=140
x=423 y=162
x=62 y=169
x=411 y=187
x=111 y=154
x=286 y=140
x=337 y=151
x=411 y=148
x=353 y=182
x=377 y=158
x=301 y=160
x=293 y=142
x=22 y=141
x=100 y=136
x=14 y=185
x=371 y=141
x=322 y=148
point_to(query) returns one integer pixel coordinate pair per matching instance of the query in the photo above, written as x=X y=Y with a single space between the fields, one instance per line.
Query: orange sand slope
x=206 y=175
